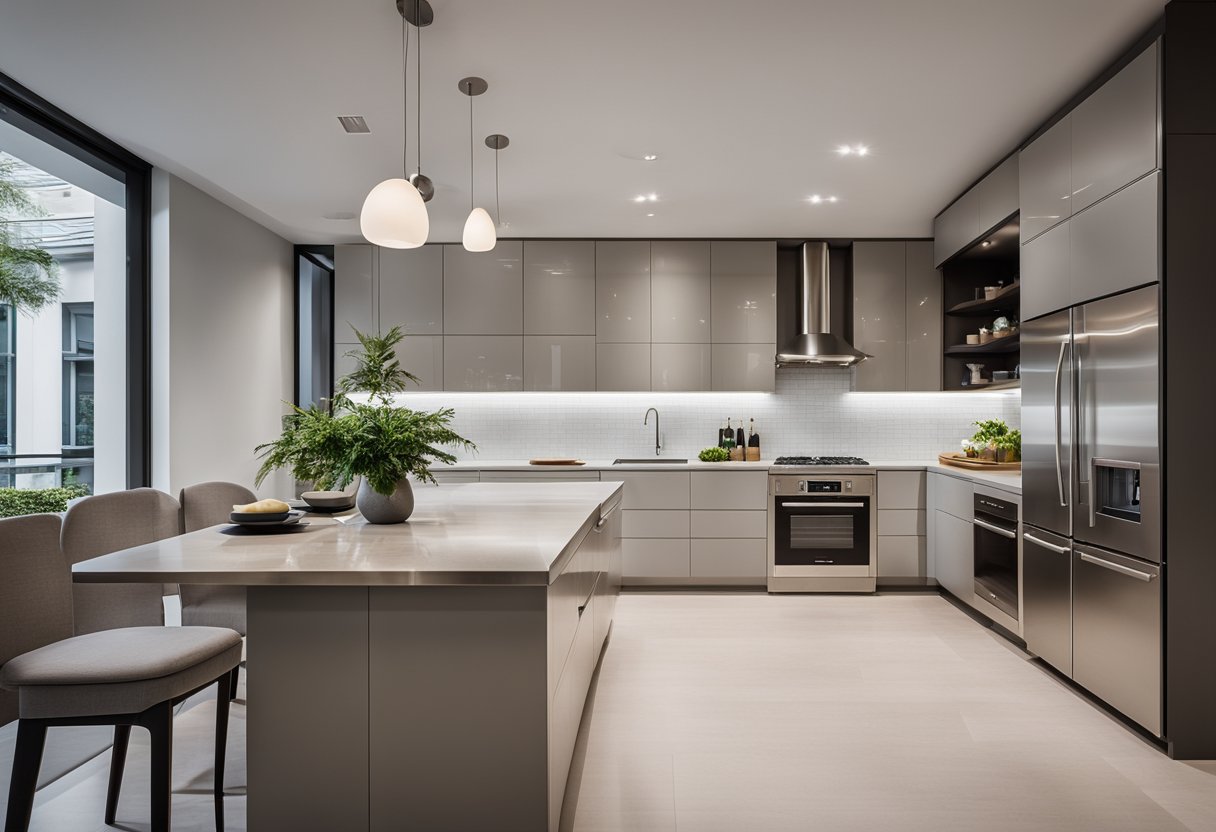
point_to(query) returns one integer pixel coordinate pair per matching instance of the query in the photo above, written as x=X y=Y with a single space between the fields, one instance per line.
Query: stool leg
x=227 y=684
x=159 y=722
x=31 y=740
x=118 y=761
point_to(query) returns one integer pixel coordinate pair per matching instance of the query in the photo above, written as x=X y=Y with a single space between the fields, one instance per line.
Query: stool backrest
x=35 y=593
x=210 y=503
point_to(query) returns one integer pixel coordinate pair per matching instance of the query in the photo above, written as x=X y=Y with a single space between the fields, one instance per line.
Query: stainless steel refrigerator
x=1091 y=499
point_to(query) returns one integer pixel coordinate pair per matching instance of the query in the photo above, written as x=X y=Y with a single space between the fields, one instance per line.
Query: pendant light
x=479 y=233
x=497 y=142
x=394 y=213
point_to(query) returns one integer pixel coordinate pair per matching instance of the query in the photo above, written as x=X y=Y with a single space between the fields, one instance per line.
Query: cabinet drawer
x=729 y=559
x=738 y=490
x=651 y=523
x=646 y=489
x=730 y=524
x=901 y=489
x=442 y=477
x=953 y=496
x=540 y=476
x=901 y=557
x=902 y=521
x=654 y=558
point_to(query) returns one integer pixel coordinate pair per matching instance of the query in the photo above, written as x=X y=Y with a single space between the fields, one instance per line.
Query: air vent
x=354 y=124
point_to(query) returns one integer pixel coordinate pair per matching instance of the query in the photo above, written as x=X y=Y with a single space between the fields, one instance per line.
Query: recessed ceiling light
x=639 y=198
x=816 y=199
x=986 y=243
x=844 y=150
x=831 y=199
x=650 y=215
x=819 y=199
x=650 y=157
x=354 y=124
x=652 y=197
x=853 y=150
x=862 y=150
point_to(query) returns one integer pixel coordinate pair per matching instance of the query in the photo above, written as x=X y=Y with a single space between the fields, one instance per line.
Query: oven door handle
x=997 y=529
x=821 y=505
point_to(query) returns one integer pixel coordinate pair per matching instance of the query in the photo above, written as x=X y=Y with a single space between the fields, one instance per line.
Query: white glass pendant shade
x=394 y=215
x=479 y=234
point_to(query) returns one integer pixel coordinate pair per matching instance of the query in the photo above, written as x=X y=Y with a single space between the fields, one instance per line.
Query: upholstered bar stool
x=108 y=523
x=119 y=677
x=206 y=605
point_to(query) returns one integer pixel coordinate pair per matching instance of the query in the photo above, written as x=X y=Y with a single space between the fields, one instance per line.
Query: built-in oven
x=996 y=553
x=821 y=533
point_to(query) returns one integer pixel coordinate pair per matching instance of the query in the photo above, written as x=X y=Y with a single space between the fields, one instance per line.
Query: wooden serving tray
x=960 y=461
x=561 y=460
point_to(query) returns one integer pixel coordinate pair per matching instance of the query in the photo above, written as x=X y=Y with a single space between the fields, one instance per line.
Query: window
x=7 y=388
x=77 y=375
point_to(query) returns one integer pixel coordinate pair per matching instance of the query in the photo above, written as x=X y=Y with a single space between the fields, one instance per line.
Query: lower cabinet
x=955 y=556
x=655 y=558
x=729 y=559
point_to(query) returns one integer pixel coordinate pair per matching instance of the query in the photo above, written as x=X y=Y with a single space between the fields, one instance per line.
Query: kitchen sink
x=657 y=460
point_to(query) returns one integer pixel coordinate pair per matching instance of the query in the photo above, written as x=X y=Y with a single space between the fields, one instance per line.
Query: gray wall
x=222 y=339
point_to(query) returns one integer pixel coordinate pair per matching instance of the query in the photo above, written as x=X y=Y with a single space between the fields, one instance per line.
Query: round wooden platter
x=557 y=460
x=960 y=461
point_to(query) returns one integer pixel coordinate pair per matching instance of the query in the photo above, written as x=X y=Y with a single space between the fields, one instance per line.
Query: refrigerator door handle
x=1059 y=463
x=1117 y=567
x=1059 y=550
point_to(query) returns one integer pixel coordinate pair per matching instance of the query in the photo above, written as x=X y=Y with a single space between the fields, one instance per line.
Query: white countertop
x=1005 y=480
x=475 y=534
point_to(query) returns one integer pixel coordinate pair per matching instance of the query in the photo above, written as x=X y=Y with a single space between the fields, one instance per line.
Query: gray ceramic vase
x=376 y=508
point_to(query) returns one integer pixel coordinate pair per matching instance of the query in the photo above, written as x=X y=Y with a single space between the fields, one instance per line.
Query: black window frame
x=40 y=118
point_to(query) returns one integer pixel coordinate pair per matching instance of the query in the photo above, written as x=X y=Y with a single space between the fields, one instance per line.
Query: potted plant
x=998 y=441
x=372 y=439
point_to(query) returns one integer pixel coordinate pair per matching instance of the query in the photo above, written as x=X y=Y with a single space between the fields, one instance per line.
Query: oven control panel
x=825 y=486
x=844 y=486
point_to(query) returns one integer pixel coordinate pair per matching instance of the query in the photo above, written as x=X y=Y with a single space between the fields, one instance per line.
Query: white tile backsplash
x=813 y=411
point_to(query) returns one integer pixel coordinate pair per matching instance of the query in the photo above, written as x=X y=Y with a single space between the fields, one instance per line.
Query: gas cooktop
x=820 y=460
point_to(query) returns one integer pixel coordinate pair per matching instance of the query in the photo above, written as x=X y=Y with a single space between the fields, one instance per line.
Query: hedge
x=15 y=502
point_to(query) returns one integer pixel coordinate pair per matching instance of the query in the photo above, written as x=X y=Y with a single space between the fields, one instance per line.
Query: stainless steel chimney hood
x=815 y=344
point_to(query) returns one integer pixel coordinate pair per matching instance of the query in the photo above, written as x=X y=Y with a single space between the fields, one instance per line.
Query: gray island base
x=427 y=676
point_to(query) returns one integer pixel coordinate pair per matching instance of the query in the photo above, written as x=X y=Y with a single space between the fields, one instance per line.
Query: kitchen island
x=429 y=675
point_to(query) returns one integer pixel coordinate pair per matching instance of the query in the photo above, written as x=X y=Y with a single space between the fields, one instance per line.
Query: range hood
x=815 y=344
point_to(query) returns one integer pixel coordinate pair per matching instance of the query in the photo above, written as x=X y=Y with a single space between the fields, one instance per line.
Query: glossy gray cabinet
x=743 y=292
x=743 y=367
x=955 y=227
x=559 y=287
x=1044 y=272
x=354 y=291
x=483 y=291
x=559 y=362
x=954 y=559
x=923 y=305
x=622 y=292
x=1115 y=131
x=680 y=292
x=422 y=355
x=997 y=195
x=897 y=315
x=483 y=363
x=622 y=367
x=676 y=367
x=1045 y=180
x=879 y=314
x=411 y=289
x=1116 y=243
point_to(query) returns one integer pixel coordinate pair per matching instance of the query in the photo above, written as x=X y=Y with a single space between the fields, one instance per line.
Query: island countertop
x=475 y=534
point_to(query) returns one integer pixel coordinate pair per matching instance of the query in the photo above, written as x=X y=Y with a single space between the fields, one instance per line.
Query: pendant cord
x=497 y=203
x=470 y=94
x=418 y=80
x=405 y=100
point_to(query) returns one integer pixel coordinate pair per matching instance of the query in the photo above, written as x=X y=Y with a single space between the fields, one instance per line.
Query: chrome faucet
x=646 y=420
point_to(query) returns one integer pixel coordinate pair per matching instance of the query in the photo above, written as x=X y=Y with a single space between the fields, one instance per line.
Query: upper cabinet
x=744 y=292
x=483 y=291
x=1092 y=183
x=1114 y=132
x=622 y=292
x=897 y=315
x=571 y=315
x=987 y=205
x=354 y=291
x=559 y=287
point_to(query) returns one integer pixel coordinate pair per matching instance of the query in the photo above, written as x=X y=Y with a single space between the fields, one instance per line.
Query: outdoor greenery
x=28 y=274
x=373 y=439
x=15 y=502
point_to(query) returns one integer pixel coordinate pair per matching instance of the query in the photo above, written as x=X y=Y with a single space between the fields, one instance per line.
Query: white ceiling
x=743 y=102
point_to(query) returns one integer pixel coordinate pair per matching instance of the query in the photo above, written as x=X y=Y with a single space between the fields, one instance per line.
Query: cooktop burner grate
x=820 y=460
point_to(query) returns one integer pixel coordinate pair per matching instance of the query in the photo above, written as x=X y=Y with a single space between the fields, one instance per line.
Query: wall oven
x=822 y=534
x=996 y=555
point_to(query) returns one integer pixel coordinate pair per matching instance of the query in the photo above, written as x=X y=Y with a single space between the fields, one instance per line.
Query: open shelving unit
x=992 y=261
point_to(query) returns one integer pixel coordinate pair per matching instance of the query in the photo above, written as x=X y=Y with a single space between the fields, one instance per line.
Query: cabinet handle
x=599 y=527
x=1116 y=567
x=1060 y=550
x=996 y=529
x=1059 y=462
x=822 y=505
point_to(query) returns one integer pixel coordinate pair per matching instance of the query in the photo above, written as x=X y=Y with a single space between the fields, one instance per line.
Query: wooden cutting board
x=556 y=460
x=960 y=461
